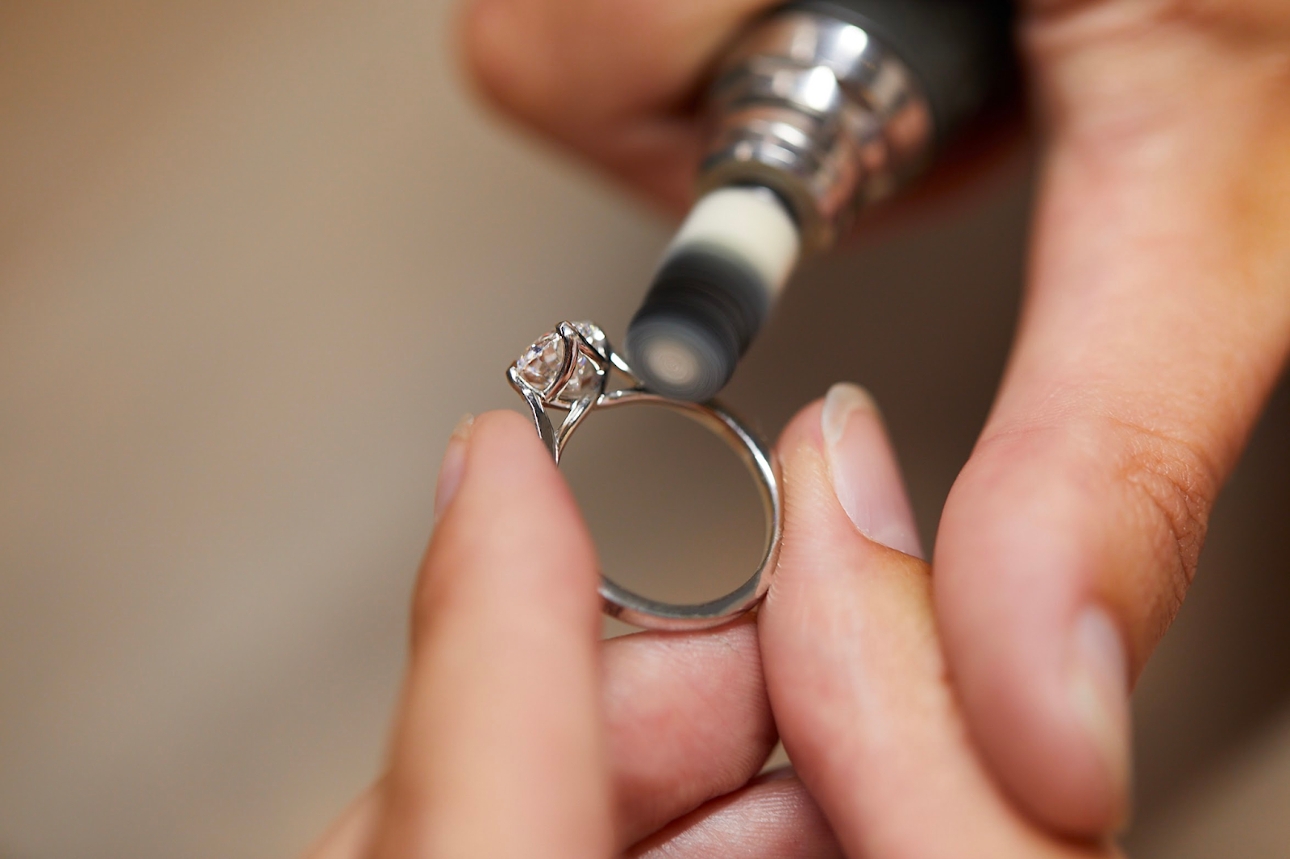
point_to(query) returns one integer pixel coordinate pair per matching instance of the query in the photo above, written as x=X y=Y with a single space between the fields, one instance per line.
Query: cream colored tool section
x=747 y=224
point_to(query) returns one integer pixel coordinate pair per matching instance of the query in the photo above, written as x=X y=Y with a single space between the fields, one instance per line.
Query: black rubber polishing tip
x=699 y=317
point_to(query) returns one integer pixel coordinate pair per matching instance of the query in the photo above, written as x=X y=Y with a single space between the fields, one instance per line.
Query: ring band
x=568 y=369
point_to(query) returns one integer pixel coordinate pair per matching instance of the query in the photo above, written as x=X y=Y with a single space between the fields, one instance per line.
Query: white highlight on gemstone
x=751 y=225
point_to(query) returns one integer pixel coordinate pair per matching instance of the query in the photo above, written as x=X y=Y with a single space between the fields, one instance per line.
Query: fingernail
x=1099 y=685
x=863 y=466
x=453 y=465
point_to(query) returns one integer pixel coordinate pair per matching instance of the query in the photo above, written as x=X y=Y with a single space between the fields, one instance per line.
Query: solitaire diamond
x=541 y=364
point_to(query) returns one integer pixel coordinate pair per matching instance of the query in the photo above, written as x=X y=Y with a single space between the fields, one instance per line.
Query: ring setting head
x=564 y=366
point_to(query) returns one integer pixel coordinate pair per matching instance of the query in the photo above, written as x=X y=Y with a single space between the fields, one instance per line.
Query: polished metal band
x=568 y=369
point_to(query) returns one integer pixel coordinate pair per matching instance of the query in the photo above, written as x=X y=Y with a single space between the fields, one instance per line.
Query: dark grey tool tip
x=698 y=318
x=680 y=356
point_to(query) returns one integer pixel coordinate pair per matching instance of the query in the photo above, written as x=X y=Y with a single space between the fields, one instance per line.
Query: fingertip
x=509 y=469
x=452 y=466
x=845 y=432
x=850 y=653
x=804 y=428
x=863 y=467
x=511 y=513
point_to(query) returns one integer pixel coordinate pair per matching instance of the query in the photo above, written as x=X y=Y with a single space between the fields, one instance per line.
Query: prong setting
x=565 y=365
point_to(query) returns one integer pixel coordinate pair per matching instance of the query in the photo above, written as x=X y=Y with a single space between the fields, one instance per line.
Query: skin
x=1156 y=319
x=520 y=734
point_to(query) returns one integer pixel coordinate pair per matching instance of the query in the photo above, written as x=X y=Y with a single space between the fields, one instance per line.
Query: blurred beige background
x=256 y=258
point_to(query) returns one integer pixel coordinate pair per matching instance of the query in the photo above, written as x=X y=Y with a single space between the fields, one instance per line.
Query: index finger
x=614 y=81
x=854 y=667
x=498 y=748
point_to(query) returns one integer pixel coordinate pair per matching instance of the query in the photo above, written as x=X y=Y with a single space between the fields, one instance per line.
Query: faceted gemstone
x=540 y=364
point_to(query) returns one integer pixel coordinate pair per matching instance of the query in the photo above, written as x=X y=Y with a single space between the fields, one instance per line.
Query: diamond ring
x=568 y=369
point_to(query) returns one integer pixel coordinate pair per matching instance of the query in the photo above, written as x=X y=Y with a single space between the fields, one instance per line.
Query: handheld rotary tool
x=821 y=109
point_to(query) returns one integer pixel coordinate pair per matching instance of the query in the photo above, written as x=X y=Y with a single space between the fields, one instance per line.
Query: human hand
x=515 y=738
x=519 y=735
x=1157 y=317
x=854 y=666
x=855 y=672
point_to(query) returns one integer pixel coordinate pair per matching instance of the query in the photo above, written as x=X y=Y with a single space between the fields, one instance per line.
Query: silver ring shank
x=639 y=610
